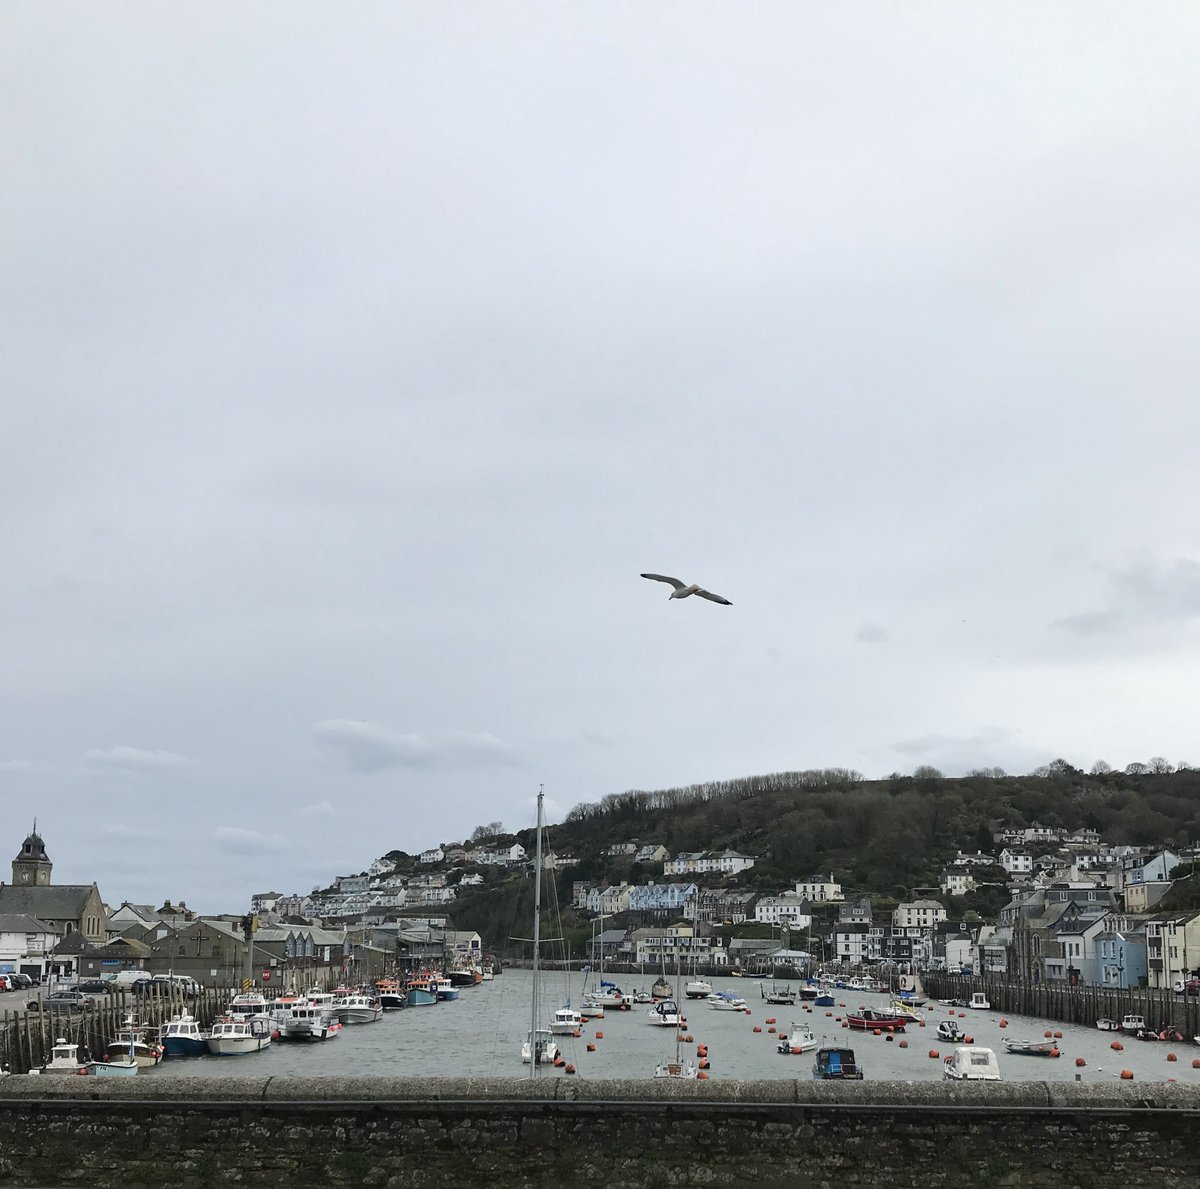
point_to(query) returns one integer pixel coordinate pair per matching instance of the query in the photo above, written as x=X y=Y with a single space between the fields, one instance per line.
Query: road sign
x=266 y=976
x=247 y=983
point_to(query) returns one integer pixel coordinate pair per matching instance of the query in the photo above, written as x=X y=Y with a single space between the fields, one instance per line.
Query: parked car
x=7 y=983
x=62 y=1001
x=94 y=986
x=24 y=982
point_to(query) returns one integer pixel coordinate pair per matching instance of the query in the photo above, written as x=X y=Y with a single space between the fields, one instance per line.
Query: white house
x=504 y=856
x=434 y=855
x=615 y=899
x=622 y=850
x=784 y=909
x=1016 y=862
x=654 y=853
x=957 y=882
x=25 y=943
x=919 y=914
x=819 y=889
x=727 y=862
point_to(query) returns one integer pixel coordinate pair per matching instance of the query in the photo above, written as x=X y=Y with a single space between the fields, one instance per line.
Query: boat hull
x=185 y=1046
x=236 y=1046
x=111 y=1069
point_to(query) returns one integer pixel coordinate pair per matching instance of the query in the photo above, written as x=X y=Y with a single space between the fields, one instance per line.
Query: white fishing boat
x=665 y=1014
x=971 y=1064
x=307 y=1022
x=979 y=1001
x=726 y=1001
x=359 y=1009
x=799 y=1040
x=233 y=1036
x=566 y=1021
x=64 y=1058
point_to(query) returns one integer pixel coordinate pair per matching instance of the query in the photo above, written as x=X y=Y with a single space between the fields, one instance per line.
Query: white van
x=126 y=978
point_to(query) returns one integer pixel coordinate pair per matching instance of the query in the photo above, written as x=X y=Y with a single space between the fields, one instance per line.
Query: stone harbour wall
x=435 y=1133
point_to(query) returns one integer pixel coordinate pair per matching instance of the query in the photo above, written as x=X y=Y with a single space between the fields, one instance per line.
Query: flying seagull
x=681 y=591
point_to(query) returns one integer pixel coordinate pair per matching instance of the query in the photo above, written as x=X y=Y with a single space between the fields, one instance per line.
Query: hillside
x=880 y=838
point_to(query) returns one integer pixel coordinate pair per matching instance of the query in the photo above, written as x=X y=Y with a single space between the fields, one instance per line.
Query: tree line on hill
x=878 y=837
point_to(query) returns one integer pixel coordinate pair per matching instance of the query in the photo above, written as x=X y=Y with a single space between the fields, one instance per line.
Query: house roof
x=57 y=901
x=20 y=922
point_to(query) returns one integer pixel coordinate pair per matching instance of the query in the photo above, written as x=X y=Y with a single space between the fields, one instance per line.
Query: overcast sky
x=355 y=358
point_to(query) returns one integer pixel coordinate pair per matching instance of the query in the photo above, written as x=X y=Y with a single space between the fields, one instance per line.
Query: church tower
x=32 y=865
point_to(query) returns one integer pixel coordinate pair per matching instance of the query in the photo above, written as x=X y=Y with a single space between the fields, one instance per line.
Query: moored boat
x=867 y=1018
x=661 y=989
x=971 y=1064
x=391 y=994
x=359 y=1009
x=130 y=1042
x=836 y=1064
x=180 y=1036
x=421 y=992
x=698 y=988
x=1031 y=1048
x=779 y=994
x=307 y=1022
x=665 y=1014
x=949 y=1030
x=566 y=1021
x=64 y=1058
x=725 y=1001
x=800 y=1039
x=233 y=1036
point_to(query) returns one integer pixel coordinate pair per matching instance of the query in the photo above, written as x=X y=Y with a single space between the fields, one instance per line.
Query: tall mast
x=537 y=920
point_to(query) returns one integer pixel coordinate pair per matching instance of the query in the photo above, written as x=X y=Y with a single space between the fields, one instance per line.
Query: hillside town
x=1076 y=911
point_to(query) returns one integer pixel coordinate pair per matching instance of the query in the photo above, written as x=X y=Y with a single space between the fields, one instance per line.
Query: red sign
x=266 y=976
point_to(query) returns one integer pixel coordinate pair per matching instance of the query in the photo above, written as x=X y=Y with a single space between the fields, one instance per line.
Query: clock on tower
x=32 y=865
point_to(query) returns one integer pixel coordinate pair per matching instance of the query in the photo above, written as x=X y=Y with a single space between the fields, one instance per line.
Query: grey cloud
x=1139 y=592
x=318 y=809
x=871 y=633
x=240 y=841
x=127 y=833
x=366 y=747
x=17 y=765
x=135 y=759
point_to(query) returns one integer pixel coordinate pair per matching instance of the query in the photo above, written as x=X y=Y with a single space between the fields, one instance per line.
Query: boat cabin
x=971 y=1064
x=979 y=1001
x=835 y=1064
x=1133 y=1023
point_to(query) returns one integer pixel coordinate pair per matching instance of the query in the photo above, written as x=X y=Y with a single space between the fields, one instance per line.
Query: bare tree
x=1101 y=768
x=1137 y=768
x=1160 y=765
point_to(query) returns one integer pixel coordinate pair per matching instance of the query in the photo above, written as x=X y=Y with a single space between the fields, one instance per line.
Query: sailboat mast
x=537 y=920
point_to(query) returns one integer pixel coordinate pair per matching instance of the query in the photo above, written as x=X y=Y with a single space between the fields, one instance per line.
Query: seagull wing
x=712 y=598
x=663 y=578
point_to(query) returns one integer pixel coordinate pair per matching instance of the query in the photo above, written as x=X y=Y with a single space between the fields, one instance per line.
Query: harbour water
x=480 y=1035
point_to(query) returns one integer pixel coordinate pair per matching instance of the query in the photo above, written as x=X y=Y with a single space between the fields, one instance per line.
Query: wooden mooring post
x=26 y=1037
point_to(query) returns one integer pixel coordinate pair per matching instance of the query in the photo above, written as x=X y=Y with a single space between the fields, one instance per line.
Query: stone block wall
x=462 y=1133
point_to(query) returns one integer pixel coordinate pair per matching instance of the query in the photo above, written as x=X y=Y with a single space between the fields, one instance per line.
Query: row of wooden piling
x=1160 y=1007
x=27 y=1037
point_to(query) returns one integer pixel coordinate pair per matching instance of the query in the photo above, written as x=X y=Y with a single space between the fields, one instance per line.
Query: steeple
x=32 y=865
